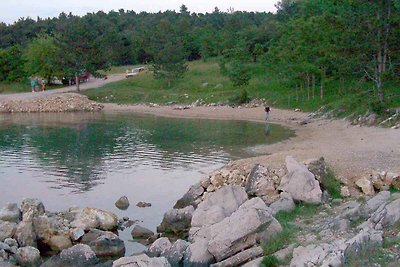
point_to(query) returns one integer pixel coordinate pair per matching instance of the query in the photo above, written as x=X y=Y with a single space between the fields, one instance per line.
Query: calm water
x=84 y=159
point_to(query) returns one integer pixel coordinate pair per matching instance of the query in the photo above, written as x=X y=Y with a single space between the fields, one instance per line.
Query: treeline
x=307 y=43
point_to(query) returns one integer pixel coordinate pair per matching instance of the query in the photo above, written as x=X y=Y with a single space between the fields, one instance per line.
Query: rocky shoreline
x=66 y=102
x=229 y=218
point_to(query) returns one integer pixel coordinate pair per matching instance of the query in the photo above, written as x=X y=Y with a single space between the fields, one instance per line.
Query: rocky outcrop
x=300 y=183
x=89 y=218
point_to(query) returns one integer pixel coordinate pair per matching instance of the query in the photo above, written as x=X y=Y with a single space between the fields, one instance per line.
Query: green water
x=91 y=159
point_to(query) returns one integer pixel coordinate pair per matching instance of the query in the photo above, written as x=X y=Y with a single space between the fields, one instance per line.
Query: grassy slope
x=204 y=81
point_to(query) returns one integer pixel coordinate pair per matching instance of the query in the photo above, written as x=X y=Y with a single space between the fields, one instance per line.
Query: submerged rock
x=122 y=203
x=139 y=232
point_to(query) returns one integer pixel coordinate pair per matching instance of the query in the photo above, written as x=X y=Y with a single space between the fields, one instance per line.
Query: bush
x=270 y=261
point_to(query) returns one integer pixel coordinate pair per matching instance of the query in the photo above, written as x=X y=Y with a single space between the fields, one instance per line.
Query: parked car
x=71 y=80
x=133 y=72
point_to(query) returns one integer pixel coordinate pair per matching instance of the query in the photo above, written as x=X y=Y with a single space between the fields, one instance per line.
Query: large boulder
x=197 y=255
x=42 y=228
x=177 y=222
x=241 y=257
x=174 y=254
x=159 y=246
x=25 y=234
x=141 y=260
x=387 y=215
x=284 y=203
x=104 y=244
x=32 y=205
x=315 y=255
x=89 y=218
x=10 y=213
x=366 y=186
x=300 y=183
x=7 y=230
x=317 y=167
x=79 y=255
x=218 y=205
x=139 y=232
x=28 y=256
x=251 y=223
x=190 y=197
x=59 y=242
x=261 y=182
x=374 y=203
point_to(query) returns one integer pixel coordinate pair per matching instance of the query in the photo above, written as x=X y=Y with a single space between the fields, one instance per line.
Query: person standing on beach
x=33 y=84
x=43 y=85
x=267 y=129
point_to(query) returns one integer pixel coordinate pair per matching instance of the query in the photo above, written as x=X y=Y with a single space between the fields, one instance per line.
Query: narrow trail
x=92 y=83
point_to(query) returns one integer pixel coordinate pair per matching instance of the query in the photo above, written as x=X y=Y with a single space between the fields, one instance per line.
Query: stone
x=42 y=227
x=177 y=221
x=106 y=244
x=139 y=232
x=386 y=215
x=284 y=203
x=28 y=256
x=218 y=205
x=159 y=246
x=7 y=230
x=141 y=260
x=33 y=205
x=197 y=255
x=284 y=253
x=311 y=255
x=10 y=213
x=317 y=167
x=25 y=234
x=251 y=223
x=341 y=225
x=11 y=242
x=365 y=185
x=240 y=258
x=190 y=196
x=89 y=218
x=122 y=203
x=175 y=253
x=78 y=255
x=366 y=236
x=300 y=183
x=374 y=203
x=345 y=191
x=254 y=263
x=76 y=233
x=260 y=182
x=59 y=242
x=143 y=204
x=350 y=210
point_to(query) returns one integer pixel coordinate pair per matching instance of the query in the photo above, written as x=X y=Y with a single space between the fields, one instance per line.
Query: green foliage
x=41 y=57
x=368 y=255
x=11 y=63
x=270 y=261
x=331 y=184
x=241 y=98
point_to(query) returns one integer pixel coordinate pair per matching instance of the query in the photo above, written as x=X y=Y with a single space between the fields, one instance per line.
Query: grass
x=289 y=230
x=393 y=189
x=21 y=87
x=331 y=184
x=368 y=255
x=346 y=98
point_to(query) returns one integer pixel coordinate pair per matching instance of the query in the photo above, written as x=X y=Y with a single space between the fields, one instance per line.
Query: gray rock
x=260 y=182
x=142 y=204
x=33 y=205
x=11 y=242
x=218 y=205
x=76 y=233
x=300 y=183
x=386 y=215
x=59 y=242
x=106 y=244
x=89 y=218
x=78 y=255
x=139 y=232
x=240 y=258
x=311 y=255
x=159 y=246
x=28 y=256
x=251 y=223
x=122 y=203
x=341 y=225
x=141 y=260
x=284 y=203
x=317 y=167
x=177 y=222
x=7 y=230
x=174 y=254
x=25 y=234
x=350 y=210
x=366 y=186
x=368 y=237
x=374 y=203
x=10 y=213
x=254 y=263
x=197 y=255
x=42 y=228
x=190 y=197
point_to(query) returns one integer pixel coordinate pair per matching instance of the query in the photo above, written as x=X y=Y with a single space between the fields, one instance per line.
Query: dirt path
x=92 y=83
x=351 y=151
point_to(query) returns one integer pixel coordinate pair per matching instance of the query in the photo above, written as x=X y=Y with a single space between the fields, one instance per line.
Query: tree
x=86 y=45
x=236 y=64
x=169 y=62
x=11 y=63
x=41 y=57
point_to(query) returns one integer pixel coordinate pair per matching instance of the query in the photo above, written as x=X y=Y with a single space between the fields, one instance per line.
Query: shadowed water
x=91 y=159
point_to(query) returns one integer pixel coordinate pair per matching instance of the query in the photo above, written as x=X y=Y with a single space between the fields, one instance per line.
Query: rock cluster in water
x=222 y=221
x=68 y=102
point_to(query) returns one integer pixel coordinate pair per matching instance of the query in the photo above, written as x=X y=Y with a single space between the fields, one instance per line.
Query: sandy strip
x=352 y=151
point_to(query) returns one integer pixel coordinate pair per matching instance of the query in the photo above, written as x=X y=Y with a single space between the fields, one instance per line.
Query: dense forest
x=306 y=43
